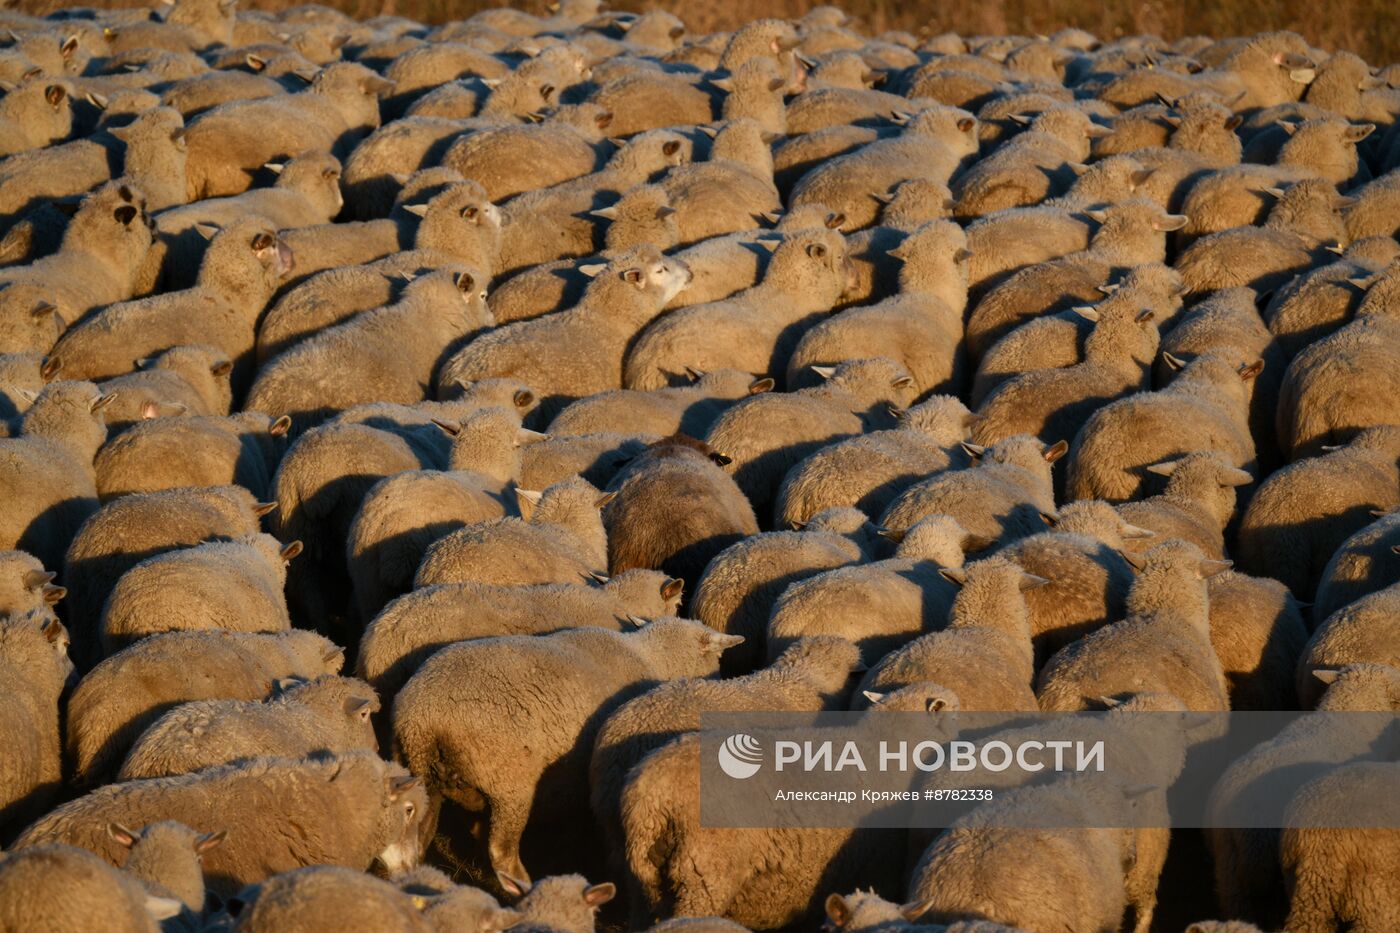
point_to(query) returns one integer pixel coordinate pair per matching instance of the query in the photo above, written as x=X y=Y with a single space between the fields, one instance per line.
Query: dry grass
x=1371 y=28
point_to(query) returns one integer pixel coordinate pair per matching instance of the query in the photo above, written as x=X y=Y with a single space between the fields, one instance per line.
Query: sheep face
x=402 y=808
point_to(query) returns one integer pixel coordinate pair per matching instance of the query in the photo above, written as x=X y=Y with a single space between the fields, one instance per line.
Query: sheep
x=1289 y=534
x=983 y=653
x=329 y=713
x=1363 y=564
x=439 y=220
x=319 y=896
x=500 y=159
x=166 y=858
x=813 y=674
x=559 y=538
x=868 y=471
x=921 y=327
x=1025 y=169
x=363 y=361
x=1230 y=318
x=30 y=324
x=127 y=531
x=559 y=903
x=230 y=142
x=867 y=912
x=306 y=193
x=96 y=264
x=1338 y=385
x=1001 y=496
x=730 y=191
x=1196 y=504
x=25 y=584
x=765 y=436
x=1361 y=632
x=880 y=605
x=688 y=409
x=1246 y=860
x=324 y=299
x=739 y=586
x=231 y=586
x=181 y=380
x=238 y=275
x=1129 y=234
x=1077 y=873
x=837 y=96
x=403 y=514
x=1372 y=213
x=595 y=457
x=1257 y=630
x=352 y=809
x=59 y=887
x=1303 y=219
x=152 y=159
x=1056 y=341
x=754 y=330
x=706 y=512
x=554 y=223
x=35 y=669
x=166 y=453
x=1003 y=241
x=1322 y=150
x=594 y=672
x=1057 y=402
x=193 y=95
x=1327 y=884
x=575 y=353
x=669 y=851
x=105 y=713
x=48 y=476
x=411 y=628
x=1319 y=302
x=933 y=144
x=34 y=115
x=1167 y=620
x=1204 y=408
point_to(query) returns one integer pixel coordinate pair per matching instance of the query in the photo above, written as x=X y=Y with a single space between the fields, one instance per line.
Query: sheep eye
x=469 y=213
x=408 y=810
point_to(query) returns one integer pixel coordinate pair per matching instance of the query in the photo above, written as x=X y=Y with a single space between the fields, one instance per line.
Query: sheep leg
x=1310 y=908
x=508 y=819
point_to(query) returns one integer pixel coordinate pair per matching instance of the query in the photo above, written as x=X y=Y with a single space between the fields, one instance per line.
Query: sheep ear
x=972 y=450
x=1133 y=532
x=221 y=368
x=1110 y=702
x=255 y=62
x=770 y=245
x=1210 y=568
x=398 y=786
x=837 y=911
x=208 y=231
x=1055 y=451
x=209 y=841
x=264 y=508
x=826 y=372
x=596 y=895
x=1133 y=560
x=1250 y=371
x=1079 y=168
x=121 y=835
x=102 y=401
x=1354 y=134
x=1144 y=316
x=874 y=698
x=915 y=909
x=1326 y=675
x=1096 y=215
x=672 y=588
x=599 y=578
x=955 y=575
x=526 y=500
x=1030 y=581
x=50 y=368
x=834 y=221
x=291 y=550
x=891 y=534
x=604 y=499
x=275 y=167
x=592 y=269
x=1288 y=126
x=1087 y=313
x=724 y=84
x=606 y=213
x=525 y=437
x=513 y=886
x=694 y=375
x=417 y=210
x=1174 y=362
x=1021 y=118
x=281 y=426
x=448 y=427
x=34 y=579
x=163 y=908
x=710 y=131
